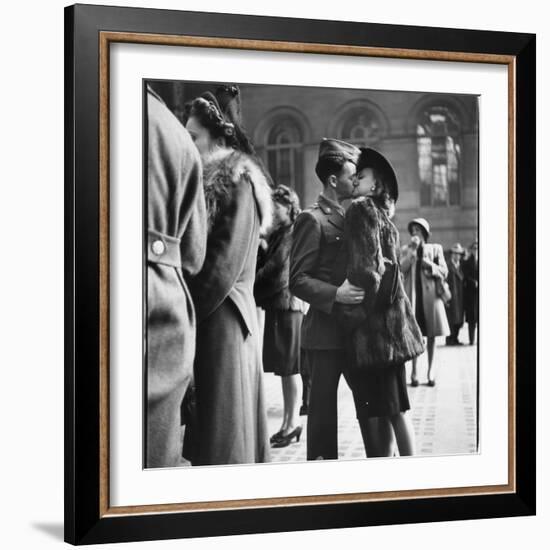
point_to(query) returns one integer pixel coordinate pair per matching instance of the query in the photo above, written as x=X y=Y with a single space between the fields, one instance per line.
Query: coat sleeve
x=304 y=260
x=226 y=250
x=193 y=241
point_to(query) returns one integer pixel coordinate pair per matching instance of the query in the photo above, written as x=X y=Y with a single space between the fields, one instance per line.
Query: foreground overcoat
x=434 y=308
x=455 y=308
x=228 y=369
x=176 y=244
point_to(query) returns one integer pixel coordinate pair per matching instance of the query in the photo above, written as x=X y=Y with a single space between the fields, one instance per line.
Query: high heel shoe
x=276 y=436
x=286 y=440
x=414 y=382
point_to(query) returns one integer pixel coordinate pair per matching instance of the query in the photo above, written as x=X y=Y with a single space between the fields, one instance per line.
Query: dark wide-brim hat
x=371 y=158
x=338 y=150
x=421 y=222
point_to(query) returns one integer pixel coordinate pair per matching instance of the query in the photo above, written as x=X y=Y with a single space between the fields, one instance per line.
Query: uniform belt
x=163 y=249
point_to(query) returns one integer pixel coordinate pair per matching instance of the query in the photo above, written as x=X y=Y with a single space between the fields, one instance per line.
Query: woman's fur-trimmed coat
x=382 y=333
x=228 y=369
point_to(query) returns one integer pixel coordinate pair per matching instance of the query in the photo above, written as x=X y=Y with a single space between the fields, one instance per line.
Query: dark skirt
x=380 y=392
x=281 y=350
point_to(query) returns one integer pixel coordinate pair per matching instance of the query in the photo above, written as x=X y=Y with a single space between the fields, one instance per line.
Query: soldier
x=316 y=253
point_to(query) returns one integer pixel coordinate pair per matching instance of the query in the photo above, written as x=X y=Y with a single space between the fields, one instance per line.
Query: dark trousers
x=453 y=337
x=472 y=332
x=322 y=425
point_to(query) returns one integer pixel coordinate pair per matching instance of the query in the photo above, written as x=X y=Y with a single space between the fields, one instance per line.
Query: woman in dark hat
x=283 y=313
x=424 y=269
x=383 y=333
x=228 y=373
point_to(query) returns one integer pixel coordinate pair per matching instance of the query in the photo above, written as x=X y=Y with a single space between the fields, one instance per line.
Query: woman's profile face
x=204 y=141
x=366 y=184
x=281 y=214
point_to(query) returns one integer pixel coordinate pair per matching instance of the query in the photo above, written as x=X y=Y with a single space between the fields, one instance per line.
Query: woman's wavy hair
x=384 y=199
x=287 y=197
x=220 y=114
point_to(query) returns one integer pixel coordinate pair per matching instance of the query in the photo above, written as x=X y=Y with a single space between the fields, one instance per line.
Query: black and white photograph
x=311 y=272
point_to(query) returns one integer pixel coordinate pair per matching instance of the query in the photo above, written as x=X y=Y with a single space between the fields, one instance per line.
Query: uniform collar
x=328 y=206
x=332 y=210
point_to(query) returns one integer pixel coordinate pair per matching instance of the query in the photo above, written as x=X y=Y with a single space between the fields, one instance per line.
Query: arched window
x=283 y=150
x=361 y=126
x=438 y=133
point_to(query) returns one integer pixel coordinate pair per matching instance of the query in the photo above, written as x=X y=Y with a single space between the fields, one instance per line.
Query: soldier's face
x=345 y=181
x=201 y=136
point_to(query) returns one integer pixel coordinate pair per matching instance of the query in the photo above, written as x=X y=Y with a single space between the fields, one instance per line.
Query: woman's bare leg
x=414 y=374
x=377 y=435
x=431 y=350
x=404 y=433
x=291 y=391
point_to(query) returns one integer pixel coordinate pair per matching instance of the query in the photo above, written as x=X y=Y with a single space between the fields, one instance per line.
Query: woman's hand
x=415 y=242
x=426 y=263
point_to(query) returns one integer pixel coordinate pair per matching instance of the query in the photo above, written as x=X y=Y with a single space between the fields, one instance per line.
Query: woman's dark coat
x=228 y=370
x=271 y=289
x=382 y=333
x=176 y=244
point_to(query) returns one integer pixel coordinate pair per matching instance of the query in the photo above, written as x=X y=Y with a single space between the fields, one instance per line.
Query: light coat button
x=158 y=247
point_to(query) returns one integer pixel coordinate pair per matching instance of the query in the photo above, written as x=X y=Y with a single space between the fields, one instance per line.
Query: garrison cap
x=338 y=150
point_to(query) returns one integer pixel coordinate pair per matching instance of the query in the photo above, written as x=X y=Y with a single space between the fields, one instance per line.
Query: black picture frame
x=87 y=519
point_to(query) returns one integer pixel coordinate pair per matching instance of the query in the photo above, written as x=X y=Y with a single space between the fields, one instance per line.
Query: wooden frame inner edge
x=105 y=39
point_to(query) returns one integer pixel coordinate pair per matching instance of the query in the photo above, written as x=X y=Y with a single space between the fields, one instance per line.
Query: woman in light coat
x=424 y=267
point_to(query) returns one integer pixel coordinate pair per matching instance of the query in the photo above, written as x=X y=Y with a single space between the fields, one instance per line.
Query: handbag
x=442 y=290
x=387 y=292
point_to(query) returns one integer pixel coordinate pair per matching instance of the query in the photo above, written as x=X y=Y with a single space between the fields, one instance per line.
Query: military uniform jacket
x=317 y=268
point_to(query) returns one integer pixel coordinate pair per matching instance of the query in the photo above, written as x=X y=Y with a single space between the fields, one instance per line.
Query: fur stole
x=382 y=334
x=228 y=168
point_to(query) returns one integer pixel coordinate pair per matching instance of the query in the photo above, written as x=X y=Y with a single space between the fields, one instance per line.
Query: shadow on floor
x=54 y=530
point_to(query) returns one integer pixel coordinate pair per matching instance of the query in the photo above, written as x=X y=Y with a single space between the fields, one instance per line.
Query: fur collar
x=227 y=167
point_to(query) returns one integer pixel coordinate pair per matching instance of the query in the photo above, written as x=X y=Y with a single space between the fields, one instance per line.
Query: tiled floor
x=444 y=417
